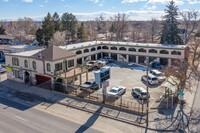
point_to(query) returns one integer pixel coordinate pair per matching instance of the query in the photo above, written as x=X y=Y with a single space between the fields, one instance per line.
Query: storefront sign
x=105 y=84
x=8 y=69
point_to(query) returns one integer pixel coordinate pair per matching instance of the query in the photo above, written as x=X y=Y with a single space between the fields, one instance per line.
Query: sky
x=90 y=9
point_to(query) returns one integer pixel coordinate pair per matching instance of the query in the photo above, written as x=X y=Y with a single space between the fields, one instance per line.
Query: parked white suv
x=153 y=80
x=158 y=74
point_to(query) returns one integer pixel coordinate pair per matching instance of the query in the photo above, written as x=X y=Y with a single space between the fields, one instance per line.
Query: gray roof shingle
x=53 y=53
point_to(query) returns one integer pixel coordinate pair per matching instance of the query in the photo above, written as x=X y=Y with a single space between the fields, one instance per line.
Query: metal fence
x=97 y=97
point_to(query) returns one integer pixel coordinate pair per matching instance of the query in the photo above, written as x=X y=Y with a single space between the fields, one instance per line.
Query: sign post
x=104 y=90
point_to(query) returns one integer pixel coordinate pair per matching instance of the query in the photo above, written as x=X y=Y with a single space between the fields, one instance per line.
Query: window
x=25 y=63
x=122 y=48
x=132 y=49
x=86 y=50
x=70 y=63
x=142 y=50
x=16 y=74
x=164 y=52
x=48 y=67
x=152 y=51
x=176 y=53
x=113 y=48
x=34 y=65
x=93 y=49
x=65 y=64
x=58 y=66
x=15 y=61
x=78 y=52
x=99 y=47
x=104 y=47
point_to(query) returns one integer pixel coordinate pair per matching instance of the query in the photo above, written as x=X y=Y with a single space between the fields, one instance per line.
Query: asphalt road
x=18 y=118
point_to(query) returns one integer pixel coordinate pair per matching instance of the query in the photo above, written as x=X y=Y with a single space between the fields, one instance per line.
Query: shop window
x=58 y=66
x=70 y=63
x=34 y=65
x=48 y=67
x=25 y=63
x=15 y=61
x=16 y=74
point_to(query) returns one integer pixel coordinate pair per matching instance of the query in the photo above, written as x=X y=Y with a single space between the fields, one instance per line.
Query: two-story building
x=43 y=64
x=39 y=65
x=129 y=52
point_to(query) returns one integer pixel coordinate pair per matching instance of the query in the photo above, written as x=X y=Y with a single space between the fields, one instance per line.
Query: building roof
x=91 y=43
x=53 y=53
x=26 y=53
x=6 y=37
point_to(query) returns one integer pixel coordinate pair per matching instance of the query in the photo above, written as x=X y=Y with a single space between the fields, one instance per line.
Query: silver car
x=152 y=80
x=116 y=91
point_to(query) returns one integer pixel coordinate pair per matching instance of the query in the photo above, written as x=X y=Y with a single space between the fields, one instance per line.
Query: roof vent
x=40 y=56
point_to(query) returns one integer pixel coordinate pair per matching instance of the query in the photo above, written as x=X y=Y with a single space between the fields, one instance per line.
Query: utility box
x=102 y=75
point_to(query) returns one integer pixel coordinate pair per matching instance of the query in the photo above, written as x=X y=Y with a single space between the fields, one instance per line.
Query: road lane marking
x=21 y=118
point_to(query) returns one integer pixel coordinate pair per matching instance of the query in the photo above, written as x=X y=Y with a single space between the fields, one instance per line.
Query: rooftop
x=85 y=44
x=6 y=37
x=26 y=53
x=53 y=53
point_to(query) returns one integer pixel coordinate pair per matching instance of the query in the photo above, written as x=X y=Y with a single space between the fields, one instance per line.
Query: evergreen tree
x=81 y=33
x=56 y=21
x=2 y=30
x=46 y=33
x=39 y=36
x=170 y=31
x=69 y=24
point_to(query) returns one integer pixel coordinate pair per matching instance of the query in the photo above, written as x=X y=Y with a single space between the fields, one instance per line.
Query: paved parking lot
x=129 y=77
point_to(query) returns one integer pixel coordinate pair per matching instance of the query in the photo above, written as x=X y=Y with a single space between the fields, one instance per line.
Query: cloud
x=41 y=5
x=45 y=1
x=141 y=15
x=95 y=1
x=151 y=8
x=28 y=1
x=178 y=2
x=194 y=2
x=100 y=5
x=62 y=0
x=4 y=0
x=131 y=1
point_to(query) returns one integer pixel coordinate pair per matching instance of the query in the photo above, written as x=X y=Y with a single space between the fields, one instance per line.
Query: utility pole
x=147 y=71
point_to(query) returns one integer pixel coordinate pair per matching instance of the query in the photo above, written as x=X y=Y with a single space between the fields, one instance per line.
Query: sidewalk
x=56 y=97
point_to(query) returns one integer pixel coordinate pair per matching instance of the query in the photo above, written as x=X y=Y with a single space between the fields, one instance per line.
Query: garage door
x=41 y=79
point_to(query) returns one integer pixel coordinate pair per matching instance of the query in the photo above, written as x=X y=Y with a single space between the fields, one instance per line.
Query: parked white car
x=117 y=91
x=153 y=80
x=158 y=74
x=102 y=62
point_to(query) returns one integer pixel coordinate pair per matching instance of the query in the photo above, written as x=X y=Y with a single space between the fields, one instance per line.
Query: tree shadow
x=90 y=121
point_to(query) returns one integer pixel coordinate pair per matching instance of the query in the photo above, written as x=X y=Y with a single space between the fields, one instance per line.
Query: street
x=18 y=118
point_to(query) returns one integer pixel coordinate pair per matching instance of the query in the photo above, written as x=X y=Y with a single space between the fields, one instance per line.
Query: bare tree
x=153 y=28
x=120 y=25
x=190 y=23
x=101 y=24
x=25 y=25
x=58 y=38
